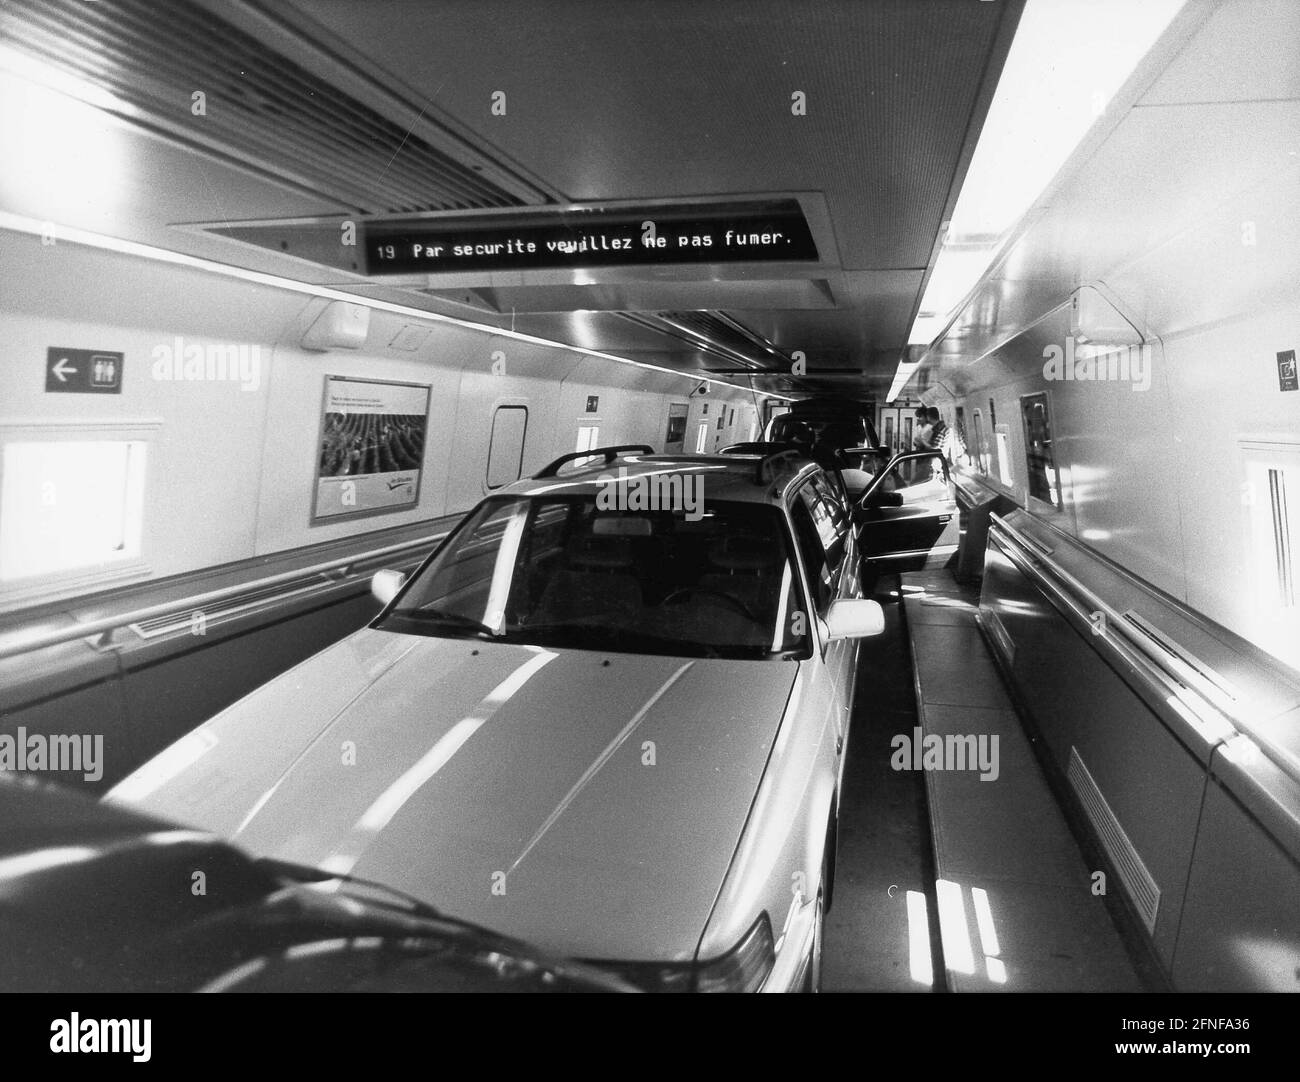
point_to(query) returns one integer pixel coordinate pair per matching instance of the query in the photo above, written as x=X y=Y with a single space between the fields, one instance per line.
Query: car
x=103 y=899
x=836 y=424
x=840 y=434
x=608 y=716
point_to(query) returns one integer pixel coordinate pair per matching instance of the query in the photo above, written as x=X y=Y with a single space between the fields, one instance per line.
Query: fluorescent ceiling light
x=37 y=71
x=904 y=373
x=1068 y=59
x=58 y=150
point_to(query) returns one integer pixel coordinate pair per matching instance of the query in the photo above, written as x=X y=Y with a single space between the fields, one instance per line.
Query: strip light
x=1066 y=62
x=21 y=224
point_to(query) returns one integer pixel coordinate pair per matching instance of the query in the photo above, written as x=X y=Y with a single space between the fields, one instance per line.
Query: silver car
x=607 y=716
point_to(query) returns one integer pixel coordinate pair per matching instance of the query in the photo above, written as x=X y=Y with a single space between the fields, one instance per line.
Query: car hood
x=587 y=802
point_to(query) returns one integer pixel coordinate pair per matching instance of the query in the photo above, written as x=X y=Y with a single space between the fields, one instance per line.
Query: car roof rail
x=754 y=447
x=766 y=469
x=608 y=453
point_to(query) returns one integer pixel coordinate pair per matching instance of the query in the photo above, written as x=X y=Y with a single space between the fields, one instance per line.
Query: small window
x=1040 y=460
x=506 y=446
x=1003 y=445
x=676 y=433
x=588 y=437
x=68 y=506
x=1271 y=497
x=979 y=456
x=702 y=438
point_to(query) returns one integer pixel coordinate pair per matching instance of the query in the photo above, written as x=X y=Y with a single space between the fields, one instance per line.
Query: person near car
x=940 y=435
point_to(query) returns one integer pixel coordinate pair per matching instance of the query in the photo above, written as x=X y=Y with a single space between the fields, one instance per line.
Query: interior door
x=675 y=437
x=907 y=516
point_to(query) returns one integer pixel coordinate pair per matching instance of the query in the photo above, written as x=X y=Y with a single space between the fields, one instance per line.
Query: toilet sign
x=83 y=371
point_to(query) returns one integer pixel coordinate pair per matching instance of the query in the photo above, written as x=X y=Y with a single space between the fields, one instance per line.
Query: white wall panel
x=232 y=469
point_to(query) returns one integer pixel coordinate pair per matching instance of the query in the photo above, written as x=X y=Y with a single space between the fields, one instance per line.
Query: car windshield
x=834 y=431
x=559 y=571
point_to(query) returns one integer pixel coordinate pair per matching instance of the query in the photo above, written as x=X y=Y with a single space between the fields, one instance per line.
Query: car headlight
x=743 y=968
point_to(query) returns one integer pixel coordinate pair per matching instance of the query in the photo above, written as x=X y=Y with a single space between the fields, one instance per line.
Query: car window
x=562 y=571
x=917 y=480
x=830 y=519
x=831 y=489
x=814 y=539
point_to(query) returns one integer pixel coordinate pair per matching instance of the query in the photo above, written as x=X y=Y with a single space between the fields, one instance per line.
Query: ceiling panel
x=655 y=99
x=1245 y=54
x=325 y=108
x=1185 y=214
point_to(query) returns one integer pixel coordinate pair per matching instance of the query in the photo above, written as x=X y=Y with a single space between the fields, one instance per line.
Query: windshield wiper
x=621 y=636
x=305 y=873
x=442 y=617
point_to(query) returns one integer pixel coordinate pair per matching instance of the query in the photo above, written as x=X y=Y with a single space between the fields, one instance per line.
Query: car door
x=907 y=516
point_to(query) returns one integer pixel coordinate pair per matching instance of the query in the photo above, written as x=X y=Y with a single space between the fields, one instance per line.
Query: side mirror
x=854 y=619
x=385 y=584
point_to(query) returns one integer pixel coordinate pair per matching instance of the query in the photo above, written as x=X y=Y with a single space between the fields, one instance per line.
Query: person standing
x=940 y=436
x=921 y=430
x=917 y=470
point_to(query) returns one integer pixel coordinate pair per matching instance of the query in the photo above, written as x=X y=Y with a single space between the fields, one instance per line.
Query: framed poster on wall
x=371 y=447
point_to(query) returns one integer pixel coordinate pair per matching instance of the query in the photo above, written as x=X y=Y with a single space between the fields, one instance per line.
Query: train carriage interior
x=580 y=469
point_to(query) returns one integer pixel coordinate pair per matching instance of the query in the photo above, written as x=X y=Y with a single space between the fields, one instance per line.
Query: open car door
x=907 y=515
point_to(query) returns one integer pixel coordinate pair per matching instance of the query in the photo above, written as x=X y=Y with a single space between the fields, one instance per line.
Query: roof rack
x=608 y=453
x=756 y=447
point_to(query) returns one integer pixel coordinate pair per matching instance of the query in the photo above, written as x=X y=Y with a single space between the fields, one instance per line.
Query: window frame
x=795 y=499
x=86 y=578
x=492 y=434
x=1026 y=401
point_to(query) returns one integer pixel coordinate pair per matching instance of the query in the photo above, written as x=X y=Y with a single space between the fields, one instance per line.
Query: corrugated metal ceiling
x=259 y=106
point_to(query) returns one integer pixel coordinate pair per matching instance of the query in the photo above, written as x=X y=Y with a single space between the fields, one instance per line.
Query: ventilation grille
x=1141 y=887
x=726 y=332
x=261 y=108
x=1281 y=537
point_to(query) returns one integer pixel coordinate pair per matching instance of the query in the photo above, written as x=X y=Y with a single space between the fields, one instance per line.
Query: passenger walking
x=940 y=436
x=917 y=471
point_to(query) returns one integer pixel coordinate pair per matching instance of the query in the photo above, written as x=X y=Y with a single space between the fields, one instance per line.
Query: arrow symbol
x=62 y=369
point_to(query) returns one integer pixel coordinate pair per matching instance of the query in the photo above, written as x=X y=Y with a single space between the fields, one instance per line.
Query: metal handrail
x=1153 y=653
x=197 y=601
